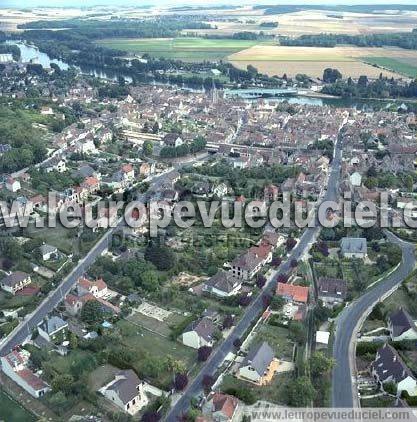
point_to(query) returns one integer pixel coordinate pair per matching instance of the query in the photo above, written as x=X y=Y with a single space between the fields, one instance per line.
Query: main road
x=344 y=390
x=254 y=310
x=31 y=321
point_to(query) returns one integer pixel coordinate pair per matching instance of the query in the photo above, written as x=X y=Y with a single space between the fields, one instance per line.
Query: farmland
x=351 y=61
x=393 y=64
x=186 y=49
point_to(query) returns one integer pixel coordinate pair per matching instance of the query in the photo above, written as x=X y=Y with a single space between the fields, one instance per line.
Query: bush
x=243 y=394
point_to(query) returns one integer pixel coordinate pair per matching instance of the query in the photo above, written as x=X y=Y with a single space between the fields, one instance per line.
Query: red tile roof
x=33 y=380
x=225 y=403
x=296 y=293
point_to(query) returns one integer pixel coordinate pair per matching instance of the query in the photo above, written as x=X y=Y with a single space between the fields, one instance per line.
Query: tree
x=266 y=300
x=161 y=256
x=92 y=312
x=331 y=75
x=150 y=416
x=63 y=383
x=320 y=364
x=237 y=342
x=244 y=300
x=282 y=278
x=204 y=353
x=207 y=382
x=297 y=332
x=73 y=341
x=276 y=261
x=147 y=148
x=228 y=322
x=260 y=281
x=290 y=243
x=277 y=302
x=294 y=263
x=180 y=381
x=300 y=392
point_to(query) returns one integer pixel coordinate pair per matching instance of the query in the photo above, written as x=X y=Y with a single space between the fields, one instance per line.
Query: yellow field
x=276 y=60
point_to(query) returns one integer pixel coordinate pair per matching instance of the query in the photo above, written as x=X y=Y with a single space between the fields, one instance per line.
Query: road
x=24 y=329
x=344 y=391
x=253 y=311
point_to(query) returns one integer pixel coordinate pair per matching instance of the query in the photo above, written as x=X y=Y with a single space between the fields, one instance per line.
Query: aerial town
x=110 y=321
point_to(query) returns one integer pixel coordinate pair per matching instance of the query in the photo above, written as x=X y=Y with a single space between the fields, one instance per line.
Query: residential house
x=74 y=304
x=292 y=293
x=246 y=265
x=220 y=407
x=90 y=185
x=355 y=179
x=271 y=193
x=172 y=140
x=353 y=247
x=259 y=366
x=220 y=190
x=48 y=251
x=14 y=365
x=55 y=164
x=14 y=282
x=223 y=284
x=128 y=172
x=126 y=391
x=199 y=333
x=332 y=291
x=401 y=326
x=147 y=169
x=97 y=288
x=12 y=185
x=389 y=367
x=53 y=329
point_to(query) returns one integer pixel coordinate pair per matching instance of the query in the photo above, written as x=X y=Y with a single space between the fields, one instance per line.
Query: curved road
x=344 y=391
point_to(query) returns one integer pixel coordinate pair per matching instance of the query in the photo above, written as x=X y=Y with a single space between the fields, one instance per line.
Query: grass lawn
x=144 y=343
x=62 y=364
x=12 y=411
x=161 y=327
x=274 y=392
x=393 y=64
x=57 y=236
x=187 y=49
x=277 y=338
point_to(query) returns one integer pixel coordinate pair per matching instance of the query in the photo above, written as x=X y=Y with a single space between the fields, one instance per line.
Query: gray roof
x=53 y=324
x=47 y=249
x=259 y=358
x=401 y=322
x=389 y=364
x=223 y=281
x=14 y=278
x=353 y=245
x=126 y=386
x=247 y=261
x=332 y=287
x=204 y=327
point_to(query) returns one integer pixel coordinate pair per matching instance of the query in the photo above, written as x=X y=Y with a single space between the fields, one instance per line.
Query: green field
x=393 y=64
x=12 y=411
x=186 y=49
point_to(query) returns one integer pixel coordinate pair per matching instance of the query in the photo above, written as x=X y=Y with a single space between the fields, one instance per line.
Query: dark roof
x=388 y=364
x=401 y=322
x=248 y=261
x=259 y=358
x=53 y=324
x=332 y=287
x=204 y=327
x=126 y=385
x=223 y=281
x=170 y=138
x=14 y=278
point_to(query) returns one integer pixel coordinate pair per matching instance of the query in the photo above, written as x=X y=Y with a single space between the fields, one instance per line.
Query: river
x=30 y=53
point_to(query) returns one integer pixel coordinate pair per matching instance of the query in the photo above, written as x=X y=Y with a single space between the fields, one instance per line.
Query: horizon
x=23 y=4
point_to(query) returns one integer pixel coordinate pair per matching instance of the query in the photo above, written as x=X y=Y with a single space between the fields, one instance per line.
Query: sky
x=84 y=3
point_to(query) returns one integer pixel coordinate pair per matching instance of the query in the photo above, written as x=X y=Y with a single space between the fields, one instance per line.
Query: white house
x=401 y=326
x=389 y=367
x=223 y=284
x=97 y=288
x=14 y=282
x=355 y=179
x=126 y=391
x=53 y=329
x=353 y=247
x=14 y=365
x=48 y=251
x=12 y=185
x=199 y=333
